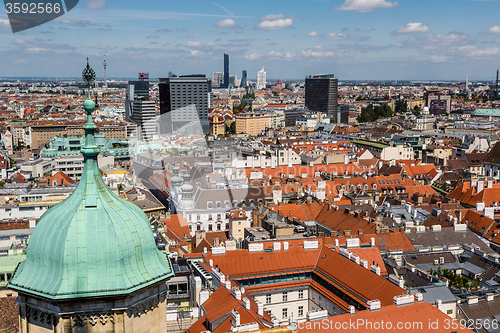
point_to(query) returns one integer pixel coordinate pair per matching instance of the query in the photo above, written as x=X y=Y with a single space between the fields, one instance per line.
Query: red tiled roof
x=416 y=317
x=242 y=262
x=303 y=212
x=355 y=277
x=177 y=228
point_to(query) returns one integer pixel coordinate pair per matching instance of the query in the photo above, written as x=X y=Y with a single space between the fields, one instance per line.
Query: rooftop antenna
x=496 y=88
x=105 y=65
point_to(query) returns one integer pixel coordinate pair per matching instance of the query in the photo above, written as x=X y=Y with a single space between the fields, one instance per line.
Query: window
x=301 y=311
x=285 y=296
x=209 y=227
x=218 y=226
x=268 y=299
x=284 y=313
x=198 y=227
x=301 y=294
x=449 y=311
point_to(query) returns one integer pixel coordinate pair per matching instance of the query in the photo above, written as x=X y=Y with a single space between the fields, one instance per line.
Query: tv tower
x=105 y=84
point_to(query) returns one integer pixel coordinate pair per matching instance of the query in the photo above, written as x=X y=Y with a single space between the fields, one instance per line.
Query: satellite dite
x=28 y=14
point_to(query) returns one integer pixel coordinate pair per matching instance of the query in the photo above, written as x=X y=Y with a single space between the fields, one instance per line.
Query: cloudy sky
x=354 y=39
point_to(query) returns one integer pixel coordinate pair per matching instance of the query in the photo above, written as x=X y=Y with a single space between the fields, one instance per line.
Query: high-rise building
x=217 y=79
x=226 y=71
x=139 y=109
x=321 y=94
x=184 y=100
x=261 y=79
x=143 y=113
x=243 y=79
x=438 y=102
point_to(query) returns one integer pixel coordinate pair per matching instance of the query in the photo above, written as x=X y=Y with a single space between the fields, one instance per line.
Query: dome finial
x=88 y=75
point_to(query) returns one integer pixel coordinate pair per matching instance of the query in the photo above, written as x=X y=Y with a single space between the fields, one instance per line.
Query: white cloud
x=36 y=50
x=474 y=51
x=4 y=23
x=253 y=56
x=76 y=23
x=364 y=6
x=227 y=23
x=272 y=17
x=494 y=30
x=313 y=34
x=334 y=36
x=317 y=52
x=275 y=24
x=413 y=28
x=95 y=4
x=193 y=44
x=280 y=55
x=365 y=29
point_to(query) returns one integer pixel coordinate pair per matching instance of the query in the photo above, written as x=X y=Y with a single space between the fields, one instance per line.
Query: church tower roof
x=93 y=243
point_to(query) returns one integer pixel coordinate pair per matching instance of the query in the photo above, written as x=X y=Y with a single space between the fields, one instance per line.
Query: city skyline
x=355 y=39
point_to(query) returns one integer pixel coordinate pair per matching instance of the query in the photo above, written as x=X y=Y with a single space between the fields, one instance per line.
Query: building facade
x=321 y=92
x=226 y=71
x=261 y=79
x=184 y=100
x=252 y=123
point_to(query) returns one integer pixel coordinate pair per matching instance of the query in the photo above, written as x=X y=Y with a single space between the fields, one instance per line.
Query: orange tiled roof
x=177 y=228
x=481 y=224
x=355 y=277
x=303 y=212
x=412 y=314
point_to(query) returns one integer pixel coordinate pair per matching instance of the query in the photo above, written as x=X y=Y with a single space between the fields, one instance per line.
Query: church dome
x=93 y=243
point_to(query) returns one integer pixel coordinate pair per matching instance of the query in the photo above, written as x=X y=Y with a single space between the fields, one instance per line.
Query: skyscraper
x=226 y=71
x=261 y=79
x=139 y=109
x=184 y=100
x=321 y=94
x=243 y=79
x=217 y=79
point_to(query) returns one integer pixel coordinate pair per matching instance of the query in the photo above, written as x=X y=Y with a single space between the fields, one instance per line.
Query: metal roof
x=433 y=293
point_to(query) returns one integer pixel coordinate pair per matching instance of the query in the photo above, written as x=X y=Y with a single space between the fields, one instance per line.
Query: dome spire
x=90 y=149
x=93 y=243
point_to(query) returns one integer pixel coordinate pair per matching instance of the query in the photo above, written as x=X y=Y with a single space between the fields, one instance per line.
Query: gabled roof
x=493 y=156
x=416 y=315
x=480 y=224
x=303 y=212
x=177 y=228
x=240 y=263
x=340 y=221
x=219 y=305
x=355 y=277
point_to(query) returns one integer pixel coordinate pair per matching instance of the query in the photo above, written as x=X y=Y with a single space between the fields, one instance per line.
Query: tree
x=371 y=113
x=231 y=129
x=400 y=106
x=416 y=110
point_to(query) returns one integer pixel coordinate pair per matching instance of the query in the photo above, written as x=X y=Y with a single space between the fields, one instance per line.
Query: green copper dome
x=93 y=243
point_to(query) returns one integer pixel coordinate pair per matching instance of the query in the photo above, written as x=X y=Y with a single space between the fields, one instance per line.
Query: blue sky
x=354 y=39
